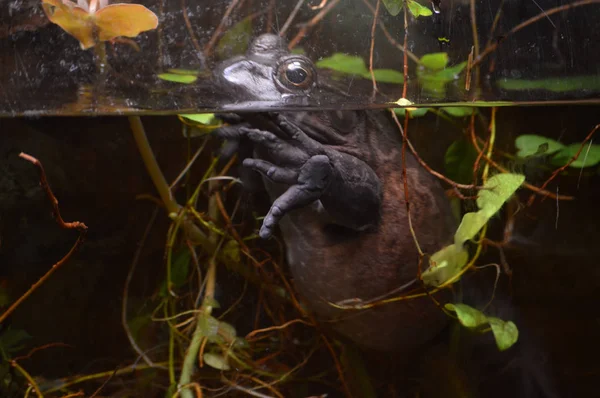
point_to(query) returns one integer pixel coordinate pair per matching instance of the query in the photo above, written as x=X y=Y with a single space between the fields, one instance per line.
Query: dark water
x=96 y=172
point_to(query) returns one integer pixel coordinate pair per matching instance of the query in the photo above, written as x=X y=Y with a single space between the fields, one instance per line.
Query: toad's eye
x=296 y=73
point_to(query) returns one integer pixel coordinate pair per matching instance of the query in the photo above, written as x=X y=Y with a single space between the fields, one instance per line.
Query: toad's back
x=331 y=263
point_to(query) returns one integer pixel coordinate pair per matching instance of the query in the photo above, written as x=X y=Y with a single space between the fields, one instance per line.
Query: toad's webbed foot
x=344 y=185
x=306 y=185
x=295 y=160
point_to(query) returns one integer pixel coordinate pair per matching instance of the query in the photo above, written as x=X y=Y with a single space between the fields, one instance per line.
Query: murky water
x=548 y=270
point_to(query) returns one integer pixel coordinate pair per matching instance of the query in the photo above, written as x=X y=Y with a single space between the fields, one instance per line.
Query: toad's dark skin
x=337 y=191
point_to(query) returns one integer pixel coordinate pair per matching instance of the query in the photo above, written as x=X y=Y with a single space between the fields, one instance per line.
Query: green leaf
x=469 y=226
x=177 y=78
x=344 y=63
x=436 y=88
x=216 y=361
x=386 y=76
x=412 y=112
x=433 y=73
x=355 y=65
x=459 y=111
x=227 y=331
x=534 y=145
x=448 y=74
x=459 y=161
x=208 y=325
x=555 y=85
x=235 y=40
x=468 y=316
x=199 y=125
x=498 y=190
x=393 y=6
x=445 y=264
x=506 y=333
x=201 y=118
x=589 y=156
x=435 y=61
x=417 y=10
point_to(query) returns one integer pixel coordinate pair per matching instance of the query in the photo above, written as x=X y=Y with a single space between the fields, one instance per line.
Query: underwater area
x=299 y=198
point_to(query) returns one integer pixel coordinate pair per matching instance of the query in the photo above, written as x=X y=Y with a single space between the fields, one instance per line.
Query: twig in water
x=79 y=226
x=291 y=17
x=489 y=49
x=584 y=160
x=372 y=49
x=315 y=20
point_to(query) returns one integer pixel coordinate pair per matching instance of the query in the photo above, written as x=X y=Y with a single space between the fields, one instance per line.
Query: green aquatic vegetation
x=178 y=78
x=355 y=65
x=434 y=73
x=447 y=263
x=199 y=124
x=386 y=76
x=534 y=145
x=555 y=85
x=200 y=118
x=435 y=61
x=417 y=10
x=393 y=6
x=589 y=156
x=505 y=333
x=223 y=341
x=531 y=145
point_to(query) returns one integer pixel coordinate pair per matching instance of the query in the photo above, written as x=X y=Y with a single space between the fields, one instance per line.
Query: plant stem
x=206 y=309
x=195 y=234
x=152 y=165
x=192 y=352
x=27 y=376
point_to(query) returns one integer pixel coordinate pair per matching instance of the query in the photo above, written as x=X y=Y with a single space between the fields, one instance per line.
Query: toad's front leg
x=347 y=187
